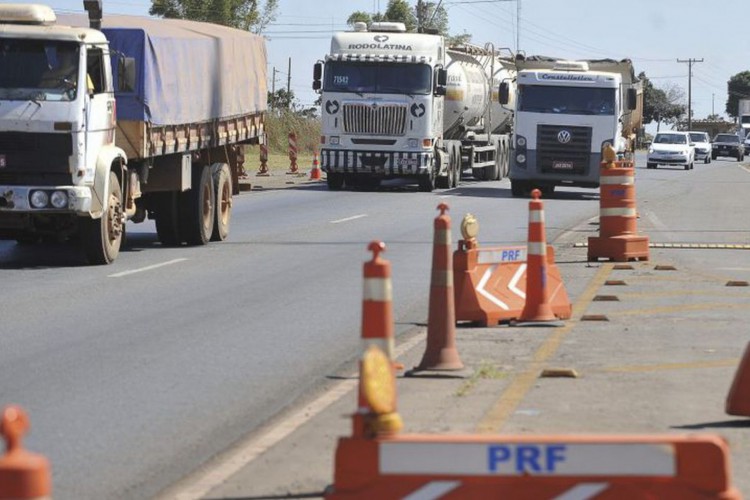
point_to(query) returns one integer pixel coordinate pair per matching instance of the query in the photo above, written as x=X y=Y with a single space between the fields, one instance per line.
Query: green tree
x=281 y=99
x=242 y=14
x=661 y=104
x=428 y=17
x=399 y=11
x=738 y=87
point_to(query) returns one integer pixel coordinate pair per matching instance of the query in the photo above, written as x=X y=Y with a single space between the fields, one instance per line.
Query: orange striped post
x=441 y=353
x=263 y=171
x=23 y=475
x=618 y=239
x=292 y=153
x=537 y=310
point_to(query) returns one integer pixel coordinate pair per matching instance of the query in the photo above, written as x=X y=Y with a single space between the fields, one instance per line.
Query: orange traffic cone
x=537 y=310
x=23 y=474
x=315 y=172
x=263 y=171
x=441 y=353
x=377 y=320
x=738 y=399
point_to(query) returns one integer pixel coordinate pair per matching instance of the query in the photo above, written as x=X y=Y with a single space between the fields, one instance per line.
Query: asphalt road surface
x=136 y=373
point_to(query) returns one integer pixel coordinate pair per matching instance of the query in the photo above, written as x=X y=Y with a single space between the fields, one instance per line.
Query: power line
x=690 y=63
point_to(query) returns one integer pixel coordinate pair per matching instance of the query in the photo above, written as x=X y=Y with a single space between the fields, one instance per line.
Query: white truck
x=743 y=112
x=566 y=111
x=398 y=104
x=104 y=121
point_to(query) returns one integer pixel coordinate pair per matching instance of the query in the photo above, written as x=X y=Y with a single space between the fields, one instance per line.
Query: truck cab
x=57 y=127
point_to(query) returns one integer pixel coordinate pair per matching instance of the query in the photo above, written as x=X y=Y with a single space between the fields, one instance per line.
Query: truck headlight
x=39 y=199
x=333 y=140
x=521 y=158
x=59 y=199
x=521 y=141
x=413 y=143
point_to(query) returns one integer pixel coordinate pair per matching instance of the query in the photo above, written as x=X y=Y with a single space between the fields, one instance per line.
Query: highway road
x=136 y=373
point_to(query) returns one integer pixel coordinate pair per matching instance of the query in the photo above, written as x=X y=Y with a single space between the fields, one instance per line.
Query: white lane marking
x=200 y=485
x=147 y=268
x=583 y=491
x=347 y=219
x=488 y=295
x=433 y=490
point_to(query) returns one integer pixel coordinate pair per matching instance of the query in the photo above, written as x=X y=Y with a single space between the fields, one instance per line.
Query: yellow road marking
x=719 y=363
x=495 y=418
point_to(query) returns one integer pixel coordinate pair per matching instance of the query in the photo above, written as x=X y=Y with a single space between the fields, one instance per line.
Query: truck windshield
x=38 y=70
x=378 y=78
x=566 y=100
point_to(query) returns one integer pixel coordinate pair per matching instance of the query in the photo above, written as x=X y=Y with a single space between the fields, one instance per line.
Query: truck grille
x=35 y=158
x=386 y=119
x=571 y=157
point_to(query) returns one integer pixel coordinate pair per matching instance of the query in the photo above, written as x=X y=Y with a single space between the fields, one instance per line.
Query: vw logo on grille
x=563 y=137
x=381 y=38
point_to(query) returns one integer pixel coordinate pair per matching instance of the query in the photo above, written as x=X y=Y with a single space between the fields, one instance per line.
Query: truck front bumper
x=17 y=199
x=386 y=163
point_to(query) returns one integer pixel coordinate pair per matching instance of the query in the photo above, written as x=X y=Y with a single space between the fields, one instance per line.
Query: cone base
x=554 y=323
x=618 y=248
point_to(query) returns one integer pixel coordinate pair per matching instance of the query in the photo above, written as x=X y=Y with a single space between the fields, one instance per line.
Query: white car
x=671 y=148
x=747 y=144
x=702 y=146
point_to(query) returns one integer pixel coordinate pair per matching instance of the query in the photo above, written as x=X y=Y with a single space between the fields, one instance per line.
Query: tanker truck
x=123 y=119
x=567 y=112
x=402 y=105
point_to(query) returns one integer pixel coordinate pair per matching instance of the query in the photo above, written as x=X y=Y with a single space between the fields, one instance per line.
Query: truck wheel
x=223 y=196
x=198 y=207
x=102 y=237
x=447 y=181
x=168 y=219
x=456 y=165
x=335 y=181
x=650 y=165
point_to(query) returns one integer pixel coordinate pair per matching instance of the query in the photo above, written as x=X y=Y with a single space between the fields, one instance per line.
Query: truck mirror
x=503 y=93
x=441 y=79
x=317 y=75
x=632 y=99
x=126 y=74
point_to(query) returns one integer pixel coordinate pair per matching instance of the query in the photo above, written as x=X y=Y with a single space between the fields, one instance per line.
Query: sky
x=654 y=34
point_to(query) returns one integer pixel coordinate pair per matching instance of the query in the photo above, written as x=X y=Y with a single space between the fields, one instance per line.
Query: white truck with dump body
x=566 y=112
x=115 y=120
x=743 y=112
x=398 y=104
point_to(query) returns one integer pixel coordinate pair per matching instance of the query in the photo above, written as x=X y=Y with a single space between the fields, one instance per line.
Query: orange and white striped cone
x=537 y=310
x=377 y=319
x=23 y=475
x=441 y=353
x=738 y=399
x=263 y=171
x=315 y=172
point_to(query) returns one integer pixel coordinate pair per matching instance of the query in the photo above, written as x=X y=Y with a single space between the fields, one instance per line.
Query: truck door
x=101 y=102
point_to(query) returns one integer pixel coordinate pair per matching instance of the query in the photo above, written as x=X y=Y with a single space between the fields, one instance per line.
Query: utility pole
x=690 y=87
x=518 y=25
x=289 y=78
x=273 y=87
x=712 y=104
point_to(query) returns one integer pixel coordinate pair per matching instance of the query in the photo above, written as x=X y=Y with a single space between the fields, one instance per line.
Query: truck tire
x=223 y=196
x=198 y=208
x=455 y=159
x=427 y=182
x=335 y=181
x=102 y=237
x=168 y=219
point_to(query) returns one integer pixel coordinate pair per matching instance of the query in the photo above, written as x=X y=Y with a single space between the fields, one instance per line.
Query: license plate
x=407 y=162
x=562 y=165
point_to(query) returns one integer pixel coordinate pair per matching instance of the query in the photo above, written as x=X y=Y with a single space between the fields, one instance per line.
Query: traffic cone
x=537 y=310
x=441 y=353
x=738 y=399
x=263 y=171
x=23 y=475
x=315 y=172
x=377 y=321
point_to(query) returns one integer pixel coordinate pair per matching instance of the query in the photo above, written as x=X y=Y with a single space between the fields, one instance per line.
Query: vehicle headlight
x=59 y=199
x=521 y=158
x=413 y=143
x=650 y=150
x=521 y=141
x=333 y=140
x=39 y=199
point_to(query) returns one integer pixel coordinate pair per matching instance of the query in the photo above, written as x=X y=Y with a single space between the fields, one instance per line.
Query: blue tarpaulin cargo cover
x=186 y=71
